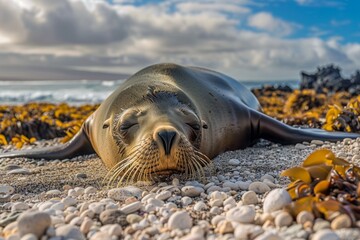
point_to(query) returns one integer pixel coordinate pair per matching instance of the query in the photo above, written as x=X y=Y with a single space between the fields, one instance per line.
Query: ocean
x=78 y=92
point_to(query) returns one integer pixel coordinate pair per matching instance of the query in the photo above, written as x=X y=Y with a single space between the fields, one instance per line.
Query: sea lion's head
x=160 y=135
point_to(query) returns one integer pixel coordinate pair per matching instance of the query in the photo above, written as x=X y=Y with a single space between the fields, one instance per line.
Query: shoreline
x=263 y=161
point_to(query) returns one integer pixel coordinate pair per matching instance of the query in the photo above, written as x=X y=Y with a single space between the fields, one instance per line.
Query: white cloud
x=266 y=22
x=95 y=36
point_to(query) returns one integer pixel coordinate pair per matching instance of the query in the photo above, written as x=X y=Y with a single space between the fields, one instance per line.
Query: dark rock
x=112 y=216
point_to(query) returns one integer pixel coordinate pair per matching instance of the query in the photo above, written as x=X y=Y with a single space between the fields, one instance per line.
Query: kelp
x=324 y=185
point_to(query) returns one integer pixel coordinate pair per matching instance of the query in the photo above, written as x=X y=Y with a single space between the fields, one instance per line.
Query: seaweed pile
x=325 y=185
x=27 y=123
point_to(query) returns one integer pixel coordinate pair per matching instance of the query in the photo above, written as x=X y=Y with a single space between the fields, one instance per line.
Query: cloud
x=79 y=39
x=321 y=3
x=266 y=22
x=337 y=23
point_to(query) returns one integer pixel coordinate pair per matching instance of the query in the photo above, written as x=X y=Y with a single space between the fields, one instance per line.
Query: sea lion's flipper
x=271 y=129
x=78 y=145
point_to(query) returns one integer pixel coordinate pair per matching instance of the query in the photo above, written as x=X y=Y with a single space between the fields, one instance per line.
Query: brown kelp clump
x=24 y=124
x=346 y=118
x=326 y=186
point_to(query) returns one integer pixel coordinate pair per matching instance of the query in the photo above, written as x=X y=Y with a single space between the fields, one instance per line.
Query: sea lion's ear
x=204 y=124
x=106 y=123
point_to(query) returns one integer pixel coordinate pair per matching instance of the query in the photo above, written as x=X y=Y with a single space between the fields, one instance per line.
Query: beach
x=230 y=202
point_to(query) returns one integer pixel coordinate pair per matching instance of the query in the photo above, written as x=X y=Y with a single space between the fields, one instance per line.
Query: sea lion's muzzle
x=167 y=139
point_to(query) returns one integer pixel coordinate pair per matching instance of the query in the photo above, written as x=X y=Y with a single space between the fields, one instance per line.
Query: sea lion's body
x=231 y=112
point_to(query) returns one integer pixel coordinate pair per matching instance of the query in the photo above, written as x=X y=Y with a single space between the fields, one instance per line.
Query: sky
x=110 y=39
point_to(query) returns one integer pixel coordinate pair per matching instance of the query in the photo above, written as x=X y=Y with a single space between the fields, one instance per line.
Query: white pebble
x=234 y=162
x=325 y=234
x=6 y=189
x=33 y=222
x=69 y=201
x=90 y=190
x=304 y=216
x=120 y=194
x=192 y=191
x=132 y=207
x=19 y=207
x=242 y=214
x=164 y=195
x=259 y=187
x=200 y=206
x=283 y=219
x=276 y=200
x=180 y=220
x=249 y=198
x=185 y=201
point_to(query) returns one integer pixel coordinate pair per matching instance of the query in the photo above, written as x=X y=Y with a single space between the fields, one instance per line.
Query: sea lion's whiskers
x=200 y=170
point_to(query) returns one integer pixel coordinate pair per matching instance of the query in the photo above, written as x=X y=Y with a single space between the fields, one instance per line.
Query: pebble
x=29 y=236
x=112 y=216
x=283 y=219
x=90 y=190
x=180 y=220
x=185 y=201
x=33 y=222
x=225 y=227
x=317 y=142
x=54 y=192
x=19 y=207
x=86 y=225
x=242 y=214
x=259 y=187
x=325 y=234
x=132 y=207
x=133 y=218
x=247 y=231
x=268 y=177
x=23 y=171
x=69 y=232
x=276 y=200
x=200 y=206
x=304 y=216
x=234 y=162
x=120 y=194
x=341 y=221
x=69 y=201
x=81 y=175
x=164 y=195
x=192 y=191
x=249 y=198
x=6 y=189
x=300 y=146
x=320 y=224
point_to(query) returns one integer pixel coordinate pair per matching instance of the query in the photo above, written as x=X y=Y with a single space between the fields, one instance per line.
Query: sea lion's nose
x=167 y=138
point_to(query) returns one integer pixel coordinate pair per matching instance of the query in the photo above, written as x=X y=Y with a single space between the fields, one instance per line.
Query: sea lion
x=168 y=118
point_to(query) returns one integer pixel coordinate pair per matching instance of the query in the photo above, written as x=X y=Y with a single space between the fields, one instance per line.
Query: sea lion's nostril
x=167 y=138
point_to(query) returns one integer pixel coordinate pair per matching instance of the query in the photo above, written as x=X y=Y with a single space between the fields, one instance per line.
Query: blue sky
x=247 y=39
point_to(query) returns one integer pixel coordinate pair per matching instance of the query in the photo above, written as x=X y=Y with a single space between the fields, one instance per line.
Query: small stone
x=185 y=201
x=120 y=194
x=304 y=216
x=175 y=182
x=216 y=203
x=69 y=232
x=317 y=142
x=231 y=185
x=90 y=190
x=54 y=192
x=81 y=175
x=180 y=220
x=213 y=189
x=200 y=206
x=58 y=206
x=132 y=207
x=6 y=189
x=10 y=167
x=249 y=198
x=19 y=207
x=234 y=162
x=325 y=234
x=225 y=227
x=268 y=177
x=300 y=146
x=242 y=214
x=243 y=185
x=259 y=187
x=100 y=236
x=192 y=191
x=164 y=195
x=29 y=236
x=22 y=171
x=86 y=225
x=112 y=216
x=69 y=201
x=112 y=229
x=34 y=222
x=320 y=224
x=268 y=236
x=341 y=221
x=283 y=219
x=133 y=218
x=247 y=231
x=276 y=200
